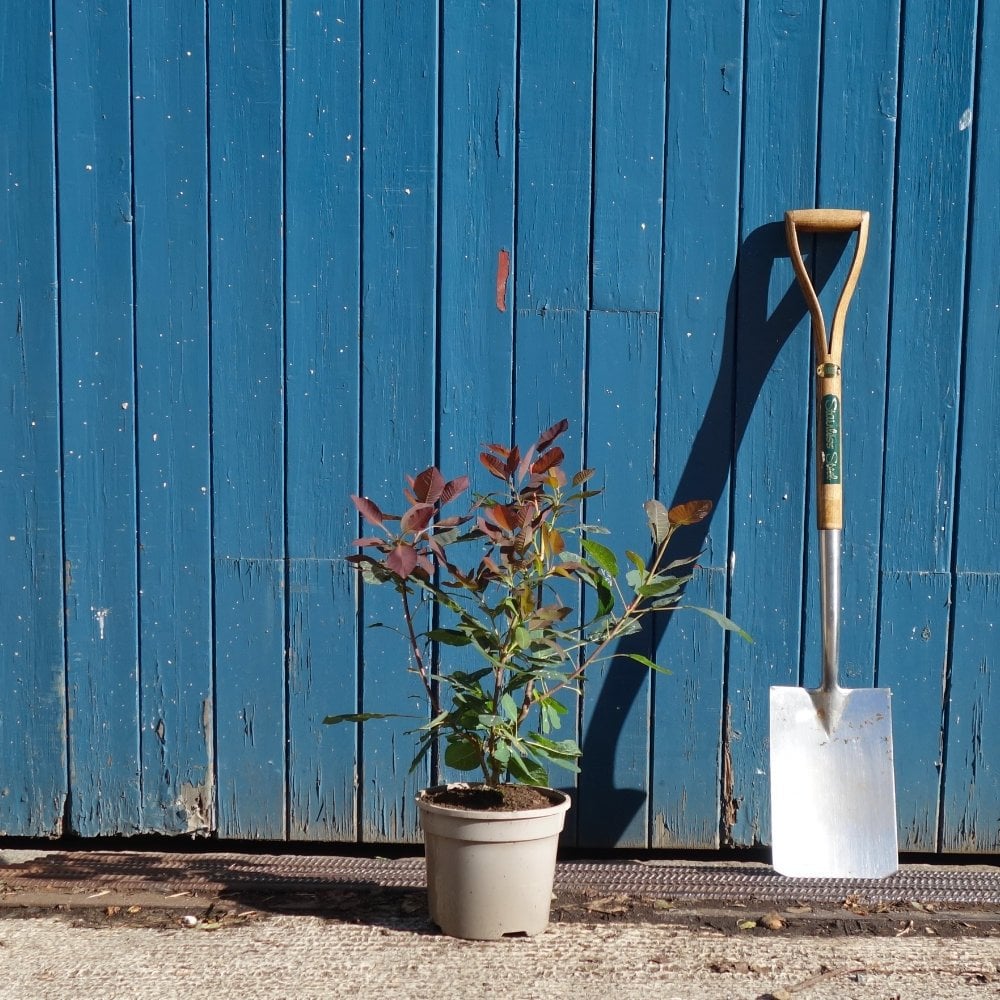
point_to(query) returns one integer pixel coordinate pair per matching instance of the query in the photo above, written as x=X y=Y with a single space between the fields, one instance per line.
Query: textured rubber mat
x=723 y=882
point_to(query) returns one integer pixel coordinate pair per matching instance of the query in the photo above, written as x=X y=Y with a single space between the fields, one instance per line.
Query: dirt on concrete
x=98 y=907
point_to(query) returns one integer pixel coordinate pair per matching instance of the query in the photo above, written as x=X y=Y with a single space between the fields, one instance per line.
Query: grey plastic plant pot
x=490 y=874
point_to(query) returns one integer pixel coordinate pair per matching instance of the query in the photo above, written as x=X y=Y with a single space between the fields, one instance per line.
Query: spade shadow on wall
x=754 y=338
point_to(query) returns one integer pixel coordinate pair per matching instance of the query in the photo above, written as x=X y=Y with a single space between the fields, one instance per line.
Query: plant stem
x=632 y=611
x=418 y=658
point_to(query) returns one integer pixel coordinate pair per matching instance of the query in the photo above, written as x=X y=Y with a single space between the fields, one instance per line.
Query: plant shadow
x=211 y=888
x=754 y=337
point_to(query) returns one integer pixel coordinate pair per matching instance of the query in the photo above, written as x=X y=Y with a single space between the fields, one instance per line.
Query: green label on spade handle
x=830 y=428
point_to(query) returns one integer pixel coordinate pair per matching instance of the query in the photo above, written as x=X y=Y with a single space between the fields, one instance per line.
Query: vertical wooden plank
x=399 y=358
x=552 y=294
x=555 y=121
x=33 y=709
x=927 y=304
x=772 y=389
x=171 y=317
x=478 y=134
x=245 y=177
x=857 y=152
x=99 y=489
x=322 y=244
x=972 y=753
x=621 y=391
x=701 y=235
x=621 y=445
x=630 y=98
x=971 y=784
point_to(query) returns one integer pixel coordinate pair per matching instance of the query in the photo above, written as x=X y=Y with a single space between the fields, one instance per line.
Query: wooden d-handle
x=828 y=352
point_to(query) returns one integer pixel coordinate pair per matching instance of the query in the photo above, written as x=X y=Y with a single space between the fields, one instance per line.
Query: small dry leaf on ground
x=608 y=905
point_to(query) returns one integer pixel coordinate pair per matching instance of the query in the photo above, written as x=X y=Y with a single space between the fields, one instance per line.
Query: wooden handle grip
x=829 y=453
x=826 y=220
x=827 y=352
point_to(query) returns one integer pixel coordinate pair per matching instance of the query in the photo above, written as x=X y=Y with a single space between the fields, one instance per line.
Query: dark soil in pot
x=502 y=798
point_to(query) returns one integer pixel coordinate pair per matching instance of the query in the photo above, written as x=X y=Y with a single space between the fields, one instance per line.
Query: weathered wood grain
x=629 y=108
x=172 y=414
x=477 y=162
x=555 y=123
x=399 y=363
x=932 y=203
x=552 y=289
x=622 y=370
x=33 y=708
x=323 y=342
x=856 y=151
x=695 y=439
x=621 y=397
x=476 y=310
x=970 y=818
x=772 y=378
x=369 y=236
x=247 y=382
x=98 y=415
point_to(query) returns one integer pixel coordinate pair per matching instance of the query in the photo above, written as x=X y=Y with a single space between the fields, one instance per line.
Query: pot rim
x=485 y=815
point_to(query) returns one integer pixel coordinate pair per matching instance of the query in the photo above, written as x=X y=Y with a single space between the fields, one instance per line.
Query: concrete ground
x=46 y=958
x=116 y=939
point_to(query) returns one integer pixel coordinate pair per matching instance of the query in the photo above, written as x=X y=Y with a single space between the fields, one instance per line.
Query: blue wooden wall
x=248 y=265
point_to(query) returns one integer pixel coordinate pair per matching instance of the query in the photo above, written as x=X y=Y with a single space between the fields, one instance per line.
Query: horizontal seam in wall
x=945 y=573
x=576 y=310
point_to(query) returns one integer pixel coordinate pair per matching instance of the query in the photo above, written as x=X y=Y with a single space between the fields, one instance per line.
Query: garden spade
x=833 y=803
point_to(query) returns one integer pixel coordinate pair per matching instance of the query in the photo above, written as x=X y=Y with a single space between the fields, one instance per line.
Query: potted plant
x=498 y=585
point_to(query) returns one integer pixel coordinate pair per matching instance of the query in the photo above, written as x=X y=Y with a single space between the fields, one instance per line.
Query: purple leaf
x=369 y=510
x=402 y=560
x=547 y=461
x=417 y=517
x=428 y=485
x=454 y=488
x=548 y=436
x=495 y=466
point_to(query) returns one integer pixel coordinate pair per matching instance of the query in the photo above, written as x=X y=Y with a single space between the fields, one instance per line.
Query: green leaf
x=553 y=748
x=449 y=636
x=567 y=764
x=658 y=586
x=637 y=561
x=720 y=619
x=509 y=708
x=522 y=637
x=646 y=662
x=602 y=555
x=462 y=679
x=658 y=520
x=425 y=744
x=605 y=599
x=462 y=756
x=666 y=603
x=435 y=723
x=527 y=771
x=677 y=563
x=631 y=627
x=549 y=710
